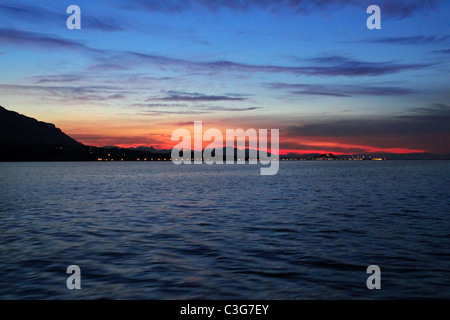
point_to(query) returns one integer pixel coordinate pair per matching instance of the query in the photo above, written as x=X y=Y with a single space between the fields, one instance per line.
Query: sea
x=155 y=230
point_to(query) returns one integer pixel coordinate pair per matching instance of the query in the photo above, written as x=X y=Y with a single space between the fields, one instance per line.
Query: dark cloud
x=41 y=40
x=332 y=59
x=144 y=78
x=411 y=40
x=69 y=93
x=355 y=68
x=139 y=57
x=105 y=67
x=231 y=109
x=56 y=78
x=195 y=97
x=339 y=65
x=321 y=66
x=160 y=105
x=107 y=140
x=444 y=51
x=173 y=112
x=416 y=122
x=40 y=15
x=424 y=128
x=398 y=8
x=339 y=90
x=435 y=110
x=184 y=108
x=298 y=147
x=109 y=60
x=26 y=13
x=190 y=103
x=102 y=24
x=97 y=22
x=180 y=123
x=405 y=8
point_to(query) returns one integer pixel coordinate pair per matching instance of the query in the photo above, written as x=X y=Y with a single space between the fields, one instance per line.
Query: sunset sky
x=138 y=70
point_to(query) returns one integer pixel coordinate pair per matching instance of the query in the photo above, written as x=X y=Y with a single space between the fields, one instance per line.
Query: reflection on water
x=159 y=231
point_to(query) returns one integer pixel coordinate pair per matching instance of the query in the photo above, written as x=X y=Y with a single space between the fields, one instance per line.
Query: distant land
x=141 y=149
x=369 y=156
x=16 y=129
x=26 y=139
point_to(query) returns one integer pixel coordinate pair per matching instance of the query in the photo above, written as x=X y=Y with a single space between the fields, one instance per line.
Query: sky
x=138 y=70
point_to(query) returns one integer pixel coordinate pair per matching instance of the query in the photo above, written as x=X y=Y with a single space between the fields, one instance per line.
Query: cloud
x=321 y=66
x=444 y=51
x=97 y=22
x=108 y=60
x=339 y=65
x=40 y=15
x=435 y=110
x=180 y=102
x=40 y=40
x=411 y=40
x=166 y=112
x=195 y=97
x=102 y=24
x=120 y=140
x=299 y=147
x=422 y=121
x=339 y=90
x=144 y=78
x=184 y=108
x=105 y=67
x=160 y=105
x=68 y=93
x=180 y=123
x=26 y=12
x=349 y=69
x=56 y=78
x=398 y=8
x=425 y=128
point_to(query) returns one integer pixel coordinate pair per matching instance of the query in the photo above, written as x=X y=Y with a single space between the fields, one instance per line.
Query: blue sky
x=137 y=70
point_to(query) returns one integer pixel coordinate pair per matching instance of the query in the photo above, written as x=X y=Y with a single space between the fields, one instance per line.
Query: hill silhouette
x=17 y=129
x=26 y=139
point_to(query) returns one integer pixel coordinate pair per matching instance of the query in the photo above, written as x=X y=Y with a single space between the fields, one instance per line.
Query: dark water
x=160 y=231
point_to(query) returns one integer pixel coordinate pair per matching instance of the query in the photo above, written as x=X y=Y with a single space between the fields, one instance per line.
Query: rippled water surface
x=160 y=231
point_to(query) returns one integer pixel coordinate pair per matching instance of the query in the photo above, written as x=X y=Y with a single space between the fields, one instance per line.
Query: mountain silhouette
x=26 y=139
x=142 y=149
x=17 y=129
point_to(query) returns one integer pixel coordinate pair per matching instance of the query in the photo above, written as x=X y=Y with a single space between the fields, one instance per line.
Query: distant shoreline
x=169 y=160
